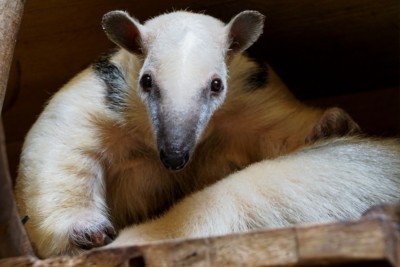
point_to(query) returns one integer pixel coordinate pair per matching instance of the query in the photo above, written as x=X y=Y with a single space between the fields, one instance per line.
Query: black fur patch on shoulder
x=257 y=77
x=114 y=80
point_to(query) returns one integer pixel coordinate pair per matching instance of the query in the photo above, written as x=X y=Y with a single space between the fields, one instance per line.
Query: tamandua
x=176 y=108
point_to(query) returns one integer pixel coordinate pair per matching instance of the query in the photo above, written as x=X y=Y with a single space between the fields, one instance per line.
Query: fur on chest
x=139 y=187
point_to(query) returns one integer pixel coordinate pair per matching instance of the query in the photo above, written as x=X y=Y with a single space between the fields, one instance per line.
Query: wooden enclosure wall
x=13 y=240
x=329 y=52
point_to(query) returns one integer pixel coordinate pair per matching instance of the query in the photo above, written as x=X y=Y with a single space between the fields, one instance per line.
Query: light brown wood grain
x=342 y=242
x=279 y=247
x=13 y=240
x=372 y=240
x=10 y=19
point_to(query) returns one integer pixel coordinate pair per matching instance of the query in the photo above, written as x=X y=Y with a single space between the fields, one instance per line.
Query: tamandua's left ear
x=124 y=31
x=244 y=29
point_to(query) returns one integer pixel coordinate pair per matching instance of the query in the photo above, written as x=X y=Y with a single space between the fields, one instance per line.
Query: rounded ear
x=244 y=29
x=123 y=30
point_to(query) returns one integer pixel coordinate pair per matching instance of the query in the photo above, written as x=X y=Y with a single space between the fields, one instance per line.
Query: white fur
x=185 y=51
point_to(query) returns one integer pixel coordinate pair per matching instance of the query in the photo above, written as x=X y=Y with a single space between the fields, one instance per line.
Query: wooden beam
x=371 y=241
x=10 y=19
x=13 y=241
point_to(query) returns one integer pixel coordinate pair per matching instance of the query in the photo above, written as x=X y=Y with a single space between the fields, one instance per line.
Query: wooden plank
x=371 y=241
x=13 y=241
x=390 y=217
x=10 y=19
x=279 y=247
x=275 y=248
x=342 y=242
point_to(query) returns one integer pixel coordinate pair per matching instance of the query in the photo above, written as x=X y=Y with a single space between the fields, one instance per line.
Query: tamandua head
x=184 y=75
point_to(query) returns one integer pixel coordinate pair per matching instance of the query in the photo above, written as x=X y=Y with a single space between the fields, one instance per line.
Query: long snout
x=176 y=141
x=178 y=126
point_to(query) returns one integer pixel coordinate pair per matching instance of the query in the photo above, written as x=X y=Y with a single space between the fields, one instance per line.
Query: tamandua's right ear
x=124 y=31
x=244 y=29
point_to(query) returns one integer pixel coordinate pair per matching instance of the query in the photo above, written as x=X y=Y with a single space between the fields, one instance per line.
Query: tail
x=330 y=180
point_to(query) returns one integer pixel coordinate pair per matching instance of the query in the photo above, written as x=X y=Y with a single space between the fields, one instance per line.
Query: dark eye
x=146 y=82
x=216 y=85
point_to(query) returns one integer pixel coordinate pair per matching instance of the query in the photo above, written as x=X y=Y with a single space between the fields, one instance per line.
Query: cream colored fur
x=334 y=180
x=86 y=169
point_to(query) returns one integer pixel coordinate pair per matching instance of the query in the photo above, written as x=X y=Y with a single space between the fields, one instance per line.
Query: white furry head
x=184 y=75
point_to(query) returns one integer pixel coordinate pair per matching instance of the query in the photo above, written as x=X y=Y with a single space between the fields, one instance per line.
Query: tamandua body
x=175 y=109
x=338 y=179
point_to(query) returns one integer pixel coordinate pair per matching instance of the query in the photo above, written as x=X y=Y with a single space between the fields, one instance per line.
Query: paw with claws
x=87 y=230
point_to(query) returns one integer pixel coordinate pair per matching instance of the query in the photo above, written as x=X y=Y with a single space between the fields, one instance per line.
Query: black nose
x=174 y=161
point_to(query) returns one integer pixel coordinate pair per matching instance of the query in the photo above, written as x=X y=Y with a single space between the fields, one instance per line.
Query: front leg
x=63 y=196
x=60 y=183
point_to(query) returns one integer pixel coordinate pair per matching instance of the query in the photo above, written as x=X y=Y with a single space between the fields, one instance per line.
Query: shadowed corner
x=137 y=261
